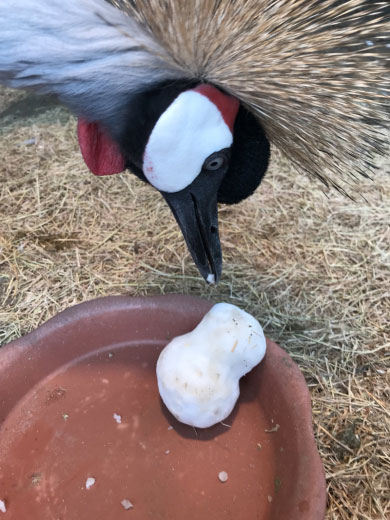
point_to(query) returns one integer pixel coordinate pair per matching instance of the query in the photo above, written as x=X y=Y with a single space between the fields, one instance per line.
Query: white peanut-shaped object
x=198 y=373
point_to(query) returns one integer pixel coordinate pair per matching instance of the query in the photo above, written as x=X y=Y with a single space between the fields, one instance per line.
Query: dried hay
x=314 y=271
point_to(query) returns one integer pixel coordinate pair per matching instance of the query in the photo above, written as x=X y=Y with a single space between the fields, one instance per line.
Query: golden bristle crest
x=315 y=72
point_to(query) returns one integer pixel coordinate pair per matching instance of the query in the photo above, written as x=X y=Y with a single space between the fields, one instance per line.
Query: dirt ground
x=312 y=267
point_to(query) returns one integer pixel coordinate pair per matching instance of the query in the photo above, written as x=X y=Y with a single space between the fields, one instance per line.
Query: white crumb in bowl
x=223 y=476
x=211 y=279
x=170 y=428
x=118 y=418
x=167 y=452
x=127 y=504
x=90 y=482
x=3 y=509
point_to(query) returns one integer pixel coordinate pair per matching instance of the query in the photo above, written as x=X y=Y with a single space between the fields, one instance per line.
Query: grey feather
x=87 y=52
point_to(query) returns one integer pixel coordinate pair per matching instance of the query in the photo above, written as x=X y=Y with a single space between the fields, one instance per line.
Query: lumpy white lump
x=198 y=373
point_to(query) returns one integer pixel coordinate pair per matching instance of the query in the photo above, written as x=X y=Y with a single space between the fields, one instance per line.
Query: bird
x=192 y=97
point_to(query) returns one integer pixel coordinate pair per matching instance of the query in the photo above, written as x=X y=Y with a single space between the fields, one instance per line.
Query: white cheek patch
x=191 y=129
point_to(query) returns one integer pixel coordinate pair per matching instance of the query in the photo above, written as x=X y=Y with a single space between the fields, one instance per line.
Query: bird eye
x=214 y=163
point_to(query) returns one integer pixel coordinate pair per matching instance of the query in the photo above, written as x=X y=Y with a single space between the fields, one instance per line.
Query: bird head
x=193 y=143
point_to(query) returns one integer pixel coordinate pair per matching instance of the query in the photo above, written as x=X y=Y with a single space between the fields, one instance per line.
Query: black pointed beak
x=196 y=211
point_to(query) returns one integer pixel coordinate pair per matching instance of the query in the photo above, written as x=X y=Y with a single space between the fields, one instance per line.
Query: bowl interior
x=80 y=400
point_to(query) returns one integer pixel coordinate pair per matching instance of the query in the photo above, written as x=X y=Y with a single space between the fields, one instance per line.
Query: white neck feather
x=87 y=52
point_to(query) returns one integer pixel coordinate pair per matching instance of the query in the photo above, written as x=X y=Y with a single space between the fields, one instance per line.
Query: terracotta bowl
x=79 y=400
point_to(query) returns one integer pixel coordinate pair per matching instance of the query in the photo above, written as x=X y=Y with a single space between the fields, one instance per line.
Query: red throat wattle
x=101 y=154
